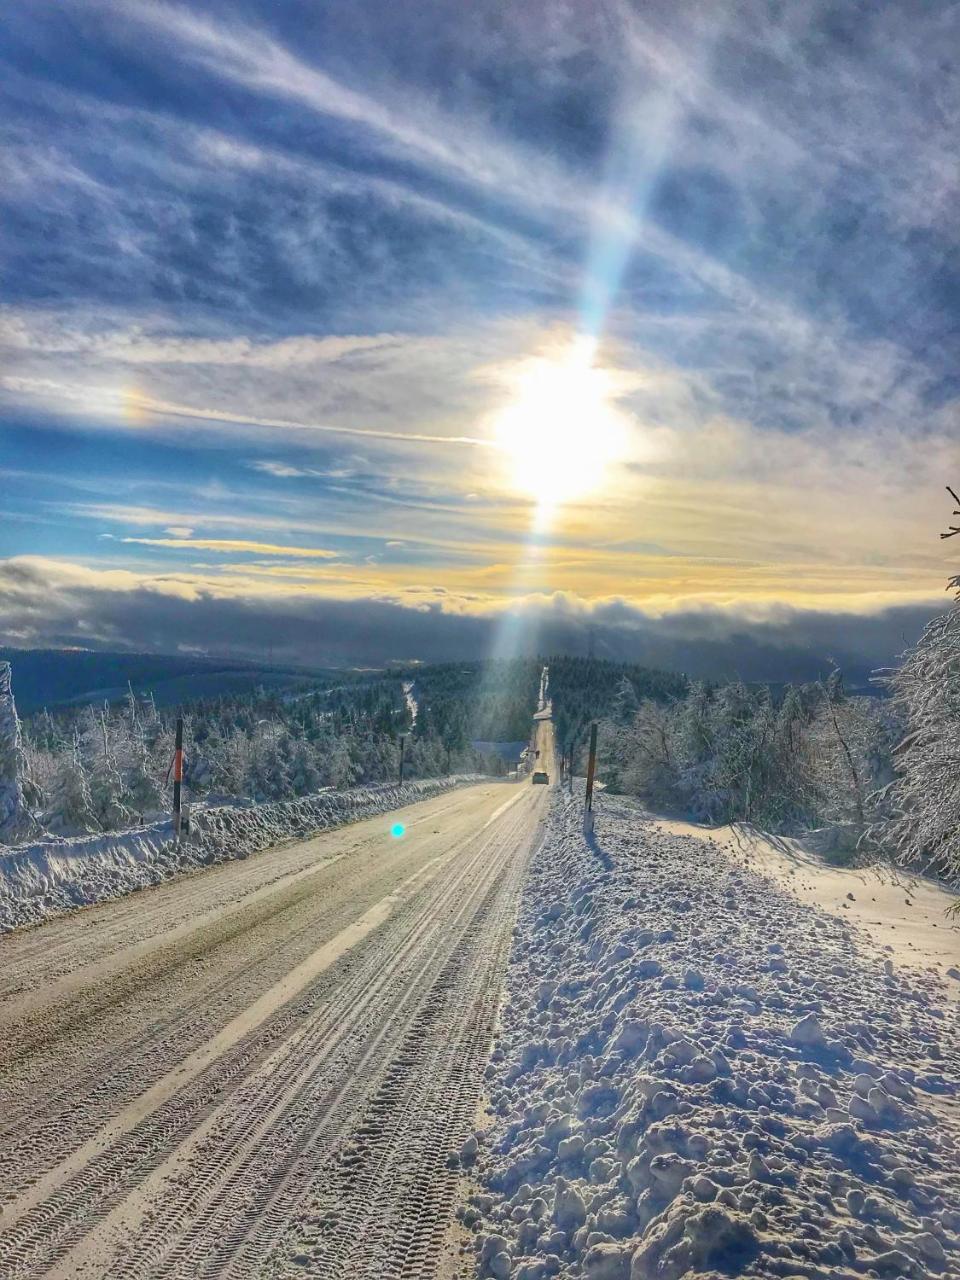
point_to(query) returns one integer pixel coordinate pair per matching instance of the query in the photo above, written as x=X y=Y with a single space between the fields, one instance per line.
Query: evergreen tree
x=99 y=749
x=924 y=798
x=625 y=703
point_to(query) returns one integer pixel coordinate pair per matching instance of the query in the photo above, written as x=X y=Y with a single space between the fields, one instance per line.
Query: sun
x=561 y=431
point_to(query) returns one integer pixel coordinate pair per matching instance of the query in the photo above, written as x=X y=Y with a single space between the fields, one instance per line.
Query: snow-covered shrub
x=851 y=748
x=70 y=809
x=641 y=756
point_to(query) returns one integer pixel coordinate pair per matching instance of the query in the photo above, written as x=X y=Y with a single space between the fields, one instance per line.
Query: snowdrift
x=50 y=876
x=697 y=1075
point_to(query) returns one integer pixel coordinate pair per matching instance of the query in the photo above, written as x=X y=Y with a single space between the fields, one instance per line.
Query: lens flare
x=398 y=831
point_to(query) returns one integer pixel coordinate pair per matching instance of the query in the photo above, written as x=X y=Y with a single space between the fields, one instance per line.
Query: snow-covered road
x=698 y=1075
x=262 y=1068
x=51 y=876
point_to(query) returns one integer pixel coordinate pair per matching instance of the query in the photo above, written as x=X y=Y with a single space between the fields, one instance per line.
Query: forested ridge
x=490 y=701
x=584 y=689
x=102 y=766
x=55 y=677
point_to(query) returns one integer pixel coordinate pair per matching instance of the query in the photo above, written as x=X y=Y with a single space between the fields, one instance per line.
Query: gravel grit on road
x=698 y=1075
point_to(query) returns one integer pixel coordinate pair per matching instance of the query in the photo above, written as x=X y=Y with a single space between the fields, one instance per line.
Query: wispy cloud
x=54 y=335
x=234 y=545
x=279 y=470
x=416 y=129
x=93 y=400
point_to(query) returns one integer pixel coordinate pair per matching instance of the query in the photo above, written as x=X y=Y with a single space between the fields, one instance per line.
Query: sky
x=343 y=333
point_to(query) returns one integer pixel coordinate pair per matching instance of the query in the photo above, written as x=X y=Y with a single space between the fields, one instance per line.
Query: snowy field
x=50 y=876
x=699 y=1074
x=903 y=913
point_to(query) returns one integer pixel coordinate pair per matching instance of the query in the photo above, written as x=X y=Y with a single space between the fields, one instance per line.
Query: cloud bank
x=46 y=603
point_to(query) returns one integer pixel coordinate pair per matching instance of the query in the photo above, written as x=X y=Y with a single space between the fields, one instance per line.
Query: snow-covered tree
x=339 y=766
x=649 y=761
x=268 y=776
x=924 y=798
x=70 y=809
x=841 y=734
x=142 y=768
x=100 y=740
x=14 y=814
x=304 y=774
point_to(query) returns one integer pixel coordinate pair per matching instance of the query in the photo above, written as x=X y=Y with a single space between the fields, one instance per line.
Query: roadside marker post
x=591 y=771
x=178 y=778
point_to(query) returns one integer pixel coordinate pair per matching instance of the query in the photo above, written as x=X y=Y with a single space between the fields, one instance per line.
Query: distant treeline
x=100 y=768
x=811 y=757
x=879 y=772
x=55 y=677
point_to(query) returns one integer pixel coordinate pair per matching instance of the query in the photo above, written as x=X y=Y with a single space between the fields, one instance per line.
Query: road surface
x=263 y=1069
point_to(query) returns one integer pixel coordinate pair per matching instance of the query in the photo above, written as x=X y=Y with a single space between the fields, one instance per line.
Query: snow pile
x=696 y=1075
x=50 y=876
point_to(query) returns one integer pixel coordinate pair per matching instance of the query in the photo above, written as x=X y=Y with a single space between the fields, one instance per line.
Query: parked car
x=541 y=778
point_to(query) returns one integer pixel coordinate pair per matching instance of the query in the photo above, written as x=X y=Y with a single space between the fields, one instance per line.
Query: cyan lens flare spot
x=398 y=831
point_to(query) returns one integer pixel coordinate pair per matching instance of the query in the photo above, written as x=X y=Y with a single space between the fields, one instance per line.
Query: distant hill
x=59 y=677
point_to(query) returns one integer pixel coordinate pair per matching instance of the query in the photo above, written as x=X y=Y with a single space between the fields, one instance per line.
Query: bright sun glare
x=561 y=431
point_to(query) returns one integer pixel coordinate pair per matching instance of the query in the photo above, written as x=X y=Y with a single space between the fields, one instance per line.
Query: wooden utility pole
x=591 y=771
x=177 y=777
x=591 y=766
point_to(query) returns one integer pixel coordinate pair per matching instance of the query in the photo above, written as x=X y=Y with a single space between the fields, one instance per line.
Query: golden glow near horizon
x=552 y=465
x=561 y=432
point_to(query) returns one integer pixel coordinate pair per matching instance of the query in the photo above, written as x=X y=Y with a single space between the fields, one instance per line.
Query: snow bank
x=50 y=876
x=698 y=1075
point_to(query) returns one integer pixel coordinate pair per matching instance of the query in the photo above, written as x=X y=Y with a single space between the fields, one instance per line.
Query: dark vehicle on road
x=541 y=777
